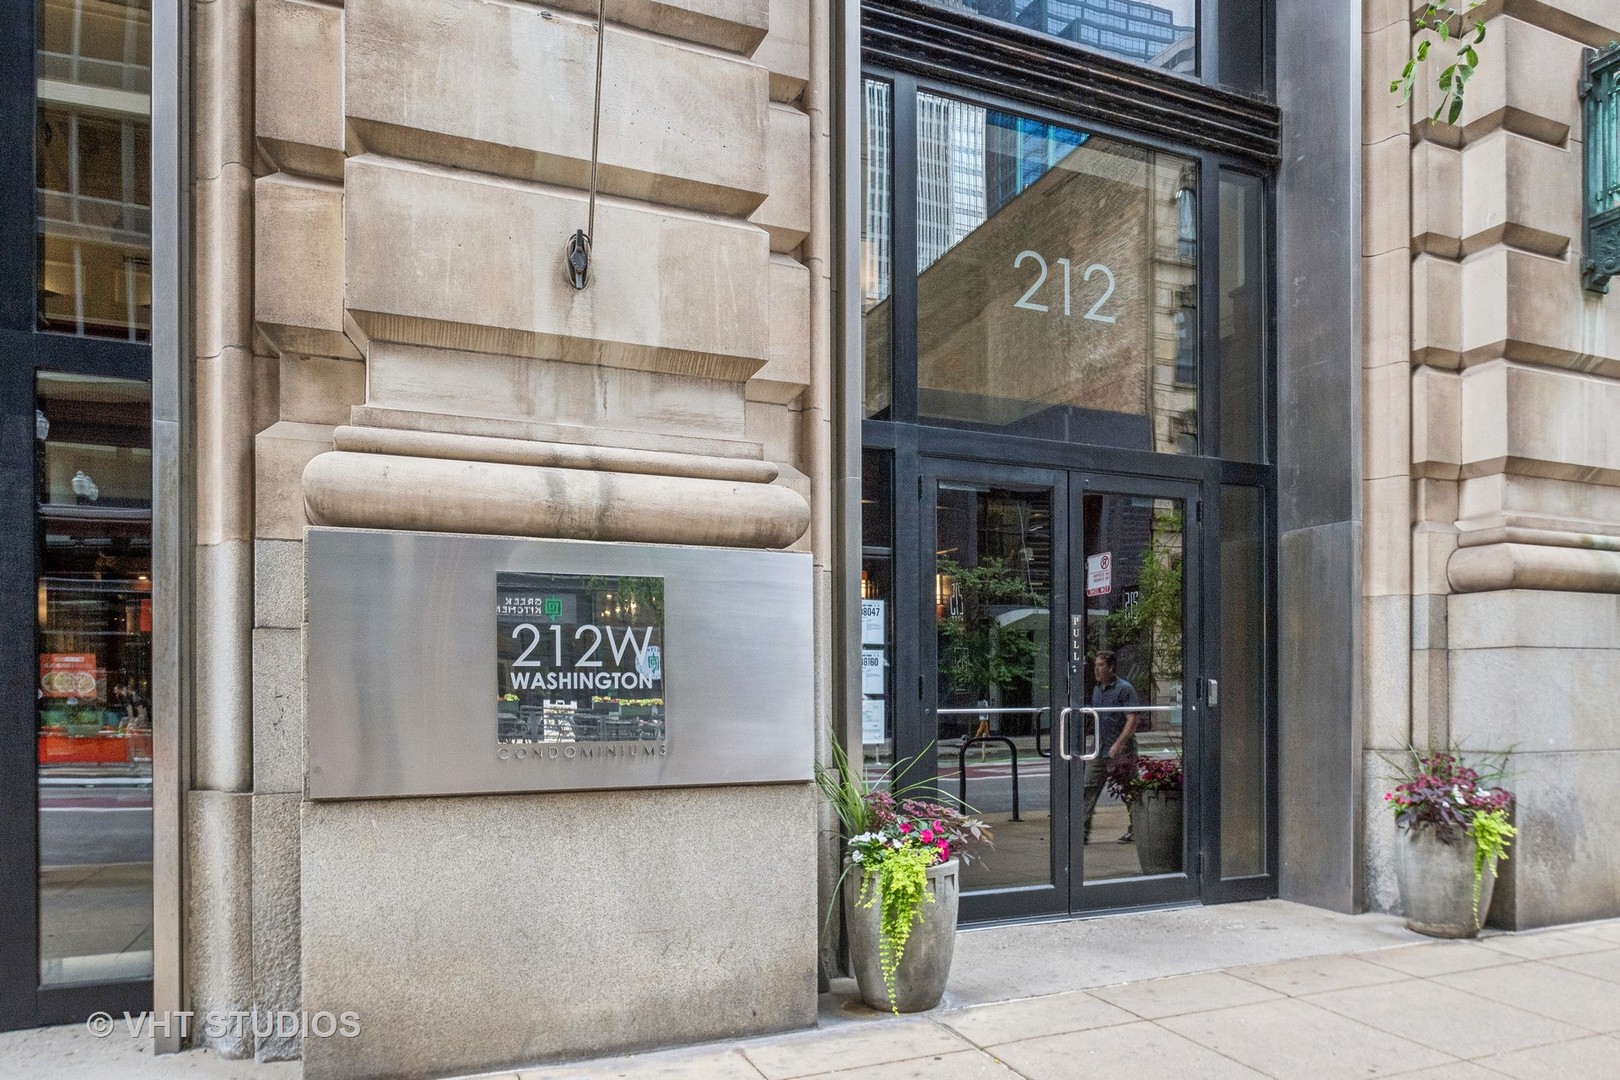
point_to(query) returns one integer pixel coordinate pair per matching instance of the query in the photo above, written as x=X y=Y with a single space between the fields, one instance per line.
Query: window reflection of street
x=993 y=588
x=1140 y=618
x=93 y=477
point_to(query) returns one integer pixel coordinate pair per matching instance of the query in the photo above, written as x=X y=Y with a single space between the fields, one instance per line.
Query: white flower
x=857 y=856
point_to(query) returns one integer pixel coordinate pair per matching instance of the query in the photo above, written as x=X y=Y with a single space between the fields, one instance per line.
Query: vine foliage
x=900 y=882
x=1444 y=25
x=1492 y=835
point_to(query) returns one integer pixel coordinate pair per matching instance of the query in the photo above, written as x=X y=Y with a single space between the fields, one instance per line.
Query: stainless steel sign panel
x=402 y=646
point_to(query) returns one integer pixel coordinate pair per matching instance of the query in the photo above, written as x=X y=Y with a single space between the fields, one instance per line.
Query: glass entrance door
x=1058 y=634
x=995 y=675
x=1134 y=652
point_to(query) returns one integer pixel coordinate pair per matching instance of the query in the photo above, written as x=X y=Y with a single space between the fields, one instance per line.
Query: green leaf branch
x=1436 y=22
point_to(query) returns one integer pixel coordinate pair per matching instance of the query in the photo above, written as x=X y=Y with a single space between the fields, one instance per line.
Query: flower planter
x=919 y=983
x=1437 y=883
x=1156 y=821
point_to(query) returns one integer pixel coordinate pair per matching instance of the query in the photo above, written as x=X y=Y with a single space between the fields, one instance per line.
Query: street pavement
x=1229 y=992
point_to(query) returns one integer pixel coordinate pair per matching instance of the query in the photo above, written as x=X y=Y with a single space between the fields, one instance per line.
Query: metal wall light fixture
x=578 y=257
x=1600 y=106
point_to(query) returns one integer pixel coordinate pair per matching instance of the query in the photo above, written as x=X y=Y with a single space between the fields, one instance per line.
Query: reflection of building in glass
x=1175 y=340
x=1143 y=33
x=950 y=174
x=1019 y=151
x=972 y=162
x=94 y=194
x=878 y=161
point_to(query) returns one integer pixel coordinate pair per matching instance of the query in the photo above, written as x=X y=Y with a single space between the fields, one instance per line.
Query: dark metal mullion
x=1195 y=665
x=1209 y=779
x=980 y=445
x=912 y=597
x=104 y=357
x=18 y=296
x=1270 y=361
x=1271 y=687
x=19 y=755
x=903 y=333
x=1075 y=692
x=1068 y=574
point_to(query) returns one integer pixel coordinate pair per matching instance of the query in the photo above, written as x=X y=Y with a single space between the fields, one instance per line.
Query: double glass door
x=1062 y=694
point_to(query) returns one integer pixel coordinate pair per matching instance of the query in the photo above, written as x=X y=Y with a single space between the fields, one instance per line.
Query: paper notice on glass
x=872 y=622
x=872 y=671
x=1100 y=574
x=872 y=727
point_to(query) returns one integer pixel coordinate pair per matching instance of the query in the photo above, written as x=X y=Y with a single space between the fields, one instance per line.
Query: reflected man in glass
x=1117 y=731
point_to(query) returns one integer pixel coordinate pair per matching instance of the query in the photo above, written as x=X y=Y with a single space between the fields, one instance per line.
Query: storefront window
x=1057 y=272
x=94 y=487
x=93 y=163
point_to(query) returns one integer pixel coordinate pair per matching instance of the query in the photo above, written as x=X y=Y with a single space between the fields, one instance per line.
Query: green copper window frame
x=1600 y=102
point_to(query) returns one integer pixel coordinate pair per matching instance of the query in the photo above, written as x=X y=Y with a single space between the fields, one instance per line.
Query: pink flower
x=905 y=827
x=944 y=851
x=928 y=836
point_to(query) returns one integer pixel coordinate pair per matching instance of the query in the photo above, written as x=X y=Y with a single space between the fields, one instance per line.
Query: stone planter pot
x=1157 y=823
x=926 y=964
x=1437 y=883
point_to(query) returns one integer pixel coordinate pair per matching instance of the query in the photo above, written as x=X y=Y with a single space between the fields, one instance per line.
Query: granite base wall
x=482 y=933
x=1538 y=673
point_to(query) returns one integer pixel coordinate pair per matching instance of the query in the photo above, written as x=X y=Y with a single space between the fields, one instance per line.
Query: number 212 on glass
x=1028 y=303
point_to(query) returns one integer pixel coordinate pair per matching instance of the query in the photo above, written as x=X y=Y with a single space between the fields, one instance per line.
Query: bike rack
x=1012 y=747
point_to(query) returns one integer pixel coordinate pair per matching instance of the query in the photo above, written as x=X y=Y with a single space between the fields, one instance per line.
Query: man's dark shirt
x=1112 y=695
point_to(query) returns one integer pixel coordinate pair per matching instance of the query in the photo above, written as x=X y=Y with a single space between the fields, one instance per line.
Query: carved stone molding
x=1493 y=567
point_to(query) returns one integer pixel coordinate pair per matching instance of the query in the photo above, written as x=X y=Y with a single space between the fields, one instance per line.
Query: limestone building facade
x=1489 y=525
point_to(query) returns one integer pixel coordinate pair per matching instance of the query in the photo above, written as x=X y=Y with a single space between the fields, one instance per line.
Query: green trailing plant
x=1492 y=836
x=1444 y=25
x=901 y=883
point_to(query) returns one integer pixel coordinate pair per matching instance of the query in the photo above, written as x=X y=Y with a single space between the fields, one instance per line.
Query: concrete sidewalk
x=1136 y=997
x=1267 y=989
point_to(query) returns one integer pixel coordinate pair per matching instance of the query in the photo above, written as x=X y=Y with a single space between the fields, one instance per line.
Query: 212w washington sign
x=579 y=660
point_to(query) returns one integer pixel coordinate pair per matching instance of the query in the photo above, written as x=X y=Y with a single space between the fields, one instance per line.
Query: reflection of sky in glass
x=1161 y=34
x=973 y=161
